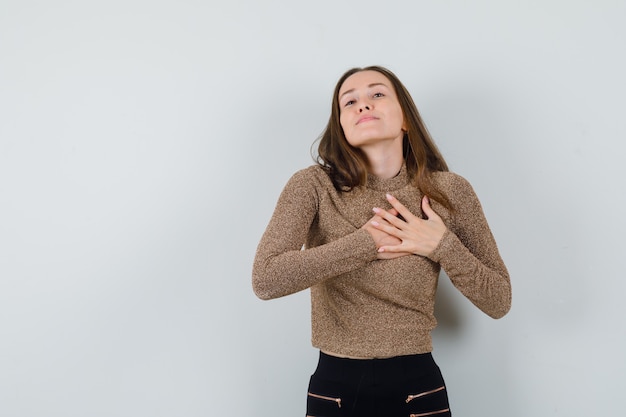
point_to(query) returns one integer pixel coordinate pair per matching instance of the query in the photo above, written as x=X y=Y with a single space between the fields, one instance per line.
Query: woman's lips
x=366 y=119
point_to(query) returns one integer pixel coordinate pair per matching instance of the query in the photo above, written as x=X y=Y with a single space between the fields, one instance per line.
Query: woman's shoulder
x=311 y=175
x=313 y=170
x=447 y=180
x=456 y=187
x=312 y=179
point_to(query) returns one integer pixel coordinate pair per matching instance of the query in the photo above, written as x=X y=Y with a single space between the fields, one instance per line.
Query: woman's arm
x=469 y=255
x=466 y=250
x=281 y=265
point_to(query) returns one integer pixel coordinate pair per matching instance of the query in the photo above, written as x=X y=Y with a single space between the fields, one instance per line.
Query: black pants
x=403 y=386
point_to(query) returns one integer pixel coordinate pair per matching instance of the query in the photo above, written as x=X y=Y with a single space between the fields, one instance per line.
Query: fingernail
x=389 y=196
x=375 y=223
x=376 y=210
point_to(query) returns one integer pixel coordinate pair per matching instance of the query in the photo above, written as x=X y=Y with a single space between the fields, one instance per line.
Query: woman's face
x=370 y=112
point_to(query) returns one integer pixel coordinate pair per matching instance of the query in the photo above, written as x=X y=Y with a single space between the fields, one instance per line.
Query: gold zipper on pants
x=430 y=413
x=414 y=396
x=323 y=397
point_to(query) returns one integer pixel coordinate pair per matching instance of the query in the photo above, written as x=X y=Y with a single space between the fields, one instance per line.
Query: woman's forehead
x=363 y=79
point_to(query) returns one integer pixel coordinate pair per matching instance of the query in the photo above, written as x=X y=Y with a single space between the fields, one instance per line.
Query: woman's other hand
x=415 y=235
x=382 y=238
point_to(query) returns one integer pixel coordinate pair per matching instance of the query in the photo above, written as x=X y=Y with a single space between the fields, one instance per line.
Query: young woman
x=368 y=229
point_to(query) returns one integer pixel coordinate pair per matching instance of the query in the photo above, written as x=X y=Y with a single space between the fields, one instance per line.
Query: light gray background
x=143 y=145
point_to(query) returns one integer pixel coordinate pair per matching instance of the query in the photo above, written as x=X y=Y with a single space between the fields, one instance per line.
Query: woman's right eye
x=348 y=103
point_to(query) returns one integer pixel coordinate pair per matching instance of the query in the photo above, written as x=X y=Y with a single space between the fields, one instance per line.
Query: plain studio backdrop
x=143 y=145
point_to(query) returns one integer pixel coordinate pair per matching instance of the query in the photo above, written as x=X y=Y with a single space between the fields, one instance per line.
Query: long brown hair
x=347 y=165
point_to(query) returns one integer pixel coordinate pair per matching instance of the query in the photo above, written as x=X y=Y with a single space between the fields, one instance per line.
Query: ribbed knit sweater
x=361 y=306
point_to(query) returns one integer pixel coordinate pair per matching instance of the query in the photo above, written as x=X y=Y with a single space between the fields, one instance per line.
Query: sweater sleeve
x=469 y=255
x=281 y=265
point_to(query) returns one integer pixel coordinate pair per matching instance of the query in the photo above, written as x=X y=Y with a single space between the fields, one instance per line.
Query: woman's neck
x=384 y=162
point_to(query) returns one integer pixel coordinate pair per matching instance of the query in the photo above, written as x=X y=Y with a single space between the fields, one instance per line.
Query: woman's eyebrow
x=369 y=86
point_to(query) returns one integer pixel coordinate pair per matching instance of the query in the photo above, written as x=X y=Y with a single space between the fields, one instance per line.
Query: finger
x=402 y=210
x=384 y=226
x=392 y=249
x=389 y=216
x=428 y=210
x=392 y=212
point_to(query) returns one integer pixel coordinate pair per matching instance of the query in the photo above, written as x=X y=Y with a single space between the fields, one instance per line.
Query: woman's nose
x=364 y=106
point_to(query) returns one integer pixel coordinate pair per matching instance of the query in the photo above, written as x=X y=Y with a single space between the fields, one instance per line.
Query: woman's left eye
x=377 y=95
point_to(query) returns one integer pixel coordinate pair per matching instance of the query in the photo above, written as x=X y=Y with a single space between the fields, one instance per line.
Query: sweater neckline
x=388 y=184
